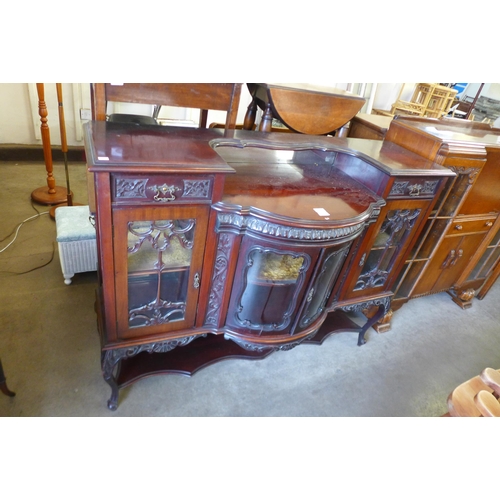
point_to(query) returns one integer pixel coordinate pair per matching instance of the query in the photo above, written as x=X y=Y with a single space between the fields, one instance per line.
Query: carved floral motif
x=471 y=172
x=131 y=188
x=401 y=188
x=218 y=278
x=196 y=189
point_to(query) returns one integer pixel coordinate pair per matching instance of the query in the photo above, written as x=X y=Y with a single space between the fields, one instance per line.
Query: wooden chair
x=203 y=96
x=478 y=397
x=429 y=99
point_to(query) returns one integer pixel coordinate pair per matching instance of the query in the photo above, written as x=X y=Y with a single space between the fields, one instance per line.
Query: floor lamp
x=50 y=194
x=64 y=149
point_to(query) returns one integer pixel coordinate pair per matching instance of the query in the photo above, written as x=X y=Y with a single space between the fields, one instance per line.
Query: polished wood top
x=300 y=185
x=394 y=159
x=307 y=109
x=114 y=147
x=455 y=131
x=312 y=88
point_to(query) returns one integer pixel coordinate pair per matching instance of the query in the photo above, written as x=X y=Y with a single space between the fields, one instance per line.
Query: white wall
x=388 y=93
x=19 y=118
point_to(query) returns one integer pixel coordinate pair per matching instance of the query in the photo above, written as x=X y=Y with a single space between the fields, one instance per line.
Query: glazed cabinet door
x=270 y=282
x=322 y=284
x=377 y=263
x=158 y=255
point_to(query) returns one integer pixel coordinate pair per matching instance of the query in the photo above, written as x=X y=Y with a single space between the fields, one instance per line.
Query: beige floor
x=50 y=350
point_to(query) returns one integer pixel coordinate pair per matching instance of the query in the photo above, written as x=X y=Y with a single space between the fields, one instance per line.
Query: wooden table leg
x=266 y=122
x=3 y=384
x=250 y=115
x=50 y=194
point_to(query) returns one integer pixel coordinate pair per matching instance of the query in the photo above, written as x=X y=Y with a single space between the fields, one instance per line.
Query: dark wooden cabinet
x=216 y=244
x=369 y=126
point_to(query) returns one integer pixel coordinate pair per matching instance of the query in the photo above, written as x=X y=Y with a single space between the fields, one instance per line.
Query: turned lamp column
x=52 y=194
x=64 y=149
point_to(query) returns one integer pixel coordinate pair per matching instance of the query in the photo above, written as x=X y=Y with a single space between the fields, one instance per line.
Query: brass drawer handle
x=164 y=193
x=458 y=227
x=415 y=189
x=489 y=223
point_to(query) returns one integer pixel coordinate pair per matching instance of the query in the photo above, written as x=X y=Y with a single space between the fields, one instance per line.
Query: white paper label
x=321 y=212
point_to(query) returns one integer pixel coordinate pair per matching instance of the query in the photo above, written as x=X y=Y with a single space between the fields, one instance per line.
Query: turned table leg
x=266 y=122
x=3 y=383
x=250 y=115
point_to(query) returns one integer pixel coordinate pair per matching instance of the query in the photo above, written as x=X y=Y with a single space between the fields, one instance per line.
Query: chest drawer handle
x=458 y=227
x=164 y=193
x=415 y=189
x=489 y=223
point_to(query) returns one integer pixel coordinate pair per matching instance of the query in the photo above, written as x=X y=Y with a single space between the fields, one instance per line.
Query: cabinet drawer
x=418 y=187
x=470 y=226
x=160 y=189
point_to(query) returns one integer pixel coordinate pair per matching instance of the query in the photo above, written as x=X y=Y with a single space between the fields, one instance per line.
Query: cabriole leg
x=110 y=364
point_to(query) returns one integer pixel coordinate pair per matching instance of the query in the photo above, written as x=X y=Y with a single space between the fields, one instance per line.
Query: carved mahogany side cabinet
x=216 y=244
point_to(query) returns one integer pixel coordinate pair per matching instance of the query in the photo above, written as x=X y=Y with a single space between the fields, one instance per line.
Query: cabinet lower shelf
x=200 y=353
x=186 y=360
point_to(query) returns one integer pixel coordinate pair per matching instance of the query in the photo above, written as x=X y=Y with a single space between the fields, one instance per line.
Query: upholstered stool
x=76 y=239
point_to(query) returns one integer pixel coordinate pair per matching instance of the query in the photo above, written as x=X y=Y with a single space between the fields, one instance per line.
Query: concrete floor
x=50 y=350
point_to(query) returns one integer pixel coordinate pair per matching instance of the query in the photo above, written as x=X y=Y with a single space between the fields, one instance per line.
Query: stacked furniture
x=458 y=251
x=428 y=99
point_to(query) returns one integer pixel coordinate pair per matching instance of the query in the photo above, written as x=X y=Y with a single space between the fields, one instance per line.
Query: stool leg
x=3 y=384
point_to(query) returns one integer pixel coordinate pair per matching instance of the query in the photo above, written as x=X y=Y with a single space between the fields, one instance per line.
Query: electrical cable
x=16 y=231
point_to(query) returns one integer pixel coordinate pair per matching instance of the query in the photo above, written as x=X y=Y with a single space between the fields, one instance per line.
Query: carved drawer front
x=418 y=187
x=459 y=227
x=161 y=189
